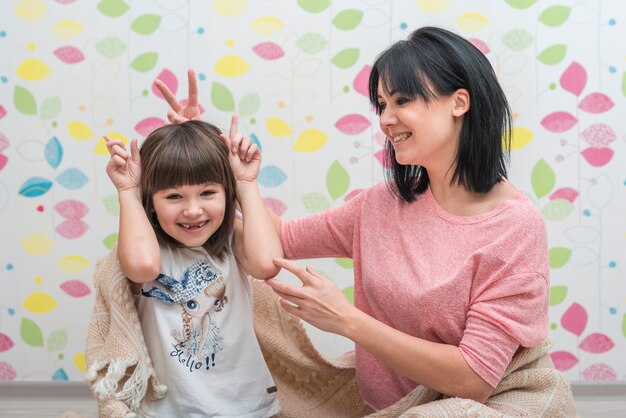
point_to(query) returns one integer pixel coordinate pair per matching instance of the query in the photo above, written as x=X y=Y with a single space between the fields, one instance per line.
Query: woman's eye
x=402 y=100
x=381 y=108
x=192 y=305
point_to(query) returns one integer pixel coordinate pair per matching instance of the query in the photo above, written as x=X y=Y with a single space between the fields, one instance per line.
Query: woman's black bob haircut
x=435 y=62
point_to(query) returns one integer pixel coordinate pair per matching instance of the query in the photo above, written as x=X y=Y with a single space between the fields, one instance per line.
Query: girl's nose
x=193 y=209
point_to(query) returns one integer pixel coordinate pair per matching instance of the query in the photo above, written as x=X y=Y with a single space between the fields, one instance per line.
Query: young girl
x=181 y=240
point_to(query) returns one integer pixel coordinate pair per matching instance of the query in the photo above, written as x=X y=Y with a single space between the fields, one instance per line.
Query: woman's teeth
x=401 y=137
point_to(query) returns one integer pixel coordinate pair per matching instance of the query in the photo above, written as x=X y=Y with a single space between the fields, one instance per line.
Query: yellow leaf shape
x=520 y=137
x=229 y=7
x=67 y=29
x=310 y=140
x=278 y=127
x=37 y=244
x=30 y=9
x=472 y=22
x=231 y=66
x=79 y=131
x=73 y=263
x=101 y=145
x=433 y=6
x=267 y=25
x=33 y=69
x=39 y=302
x=79 y=362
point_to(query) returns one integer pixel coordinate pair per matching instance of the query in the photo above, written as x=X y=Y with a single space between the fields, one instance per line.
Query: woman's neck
x=457 y=200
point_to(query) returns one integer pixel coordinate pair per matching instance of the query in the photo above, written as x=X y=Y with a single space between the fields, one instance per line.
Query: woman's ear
x=461 y=102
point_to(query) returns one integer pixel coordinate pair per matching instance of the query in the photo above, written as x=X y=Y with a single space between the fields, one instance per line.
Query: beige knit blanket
x=124 y=383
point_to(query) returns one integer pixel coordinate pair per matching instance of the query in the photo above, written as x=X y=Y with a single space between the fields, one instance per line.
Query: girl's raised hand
x=243 y=154
x=124 y=167
x=179 y=113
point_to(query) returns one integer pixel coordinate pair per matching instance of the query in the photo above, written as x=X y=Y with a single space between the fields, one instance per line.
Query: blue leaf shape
x=271 y=176
x=72 y=178
x=54 y=152
x=255 y=140
x=60 y=375
x=35 y=186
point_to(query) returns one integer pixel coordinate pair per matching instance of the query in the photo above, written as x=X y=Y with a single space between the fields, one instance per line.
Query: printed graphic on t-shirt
x=201 y=294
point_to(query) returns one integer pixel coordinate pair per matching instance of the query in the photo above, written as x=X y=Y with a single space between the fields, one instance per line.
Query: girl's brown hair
x=188 y=154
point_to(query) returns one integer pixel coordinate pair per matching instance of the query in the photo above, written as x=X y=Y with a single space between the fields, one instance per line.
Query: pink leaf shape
x=72 y=228
x=275 y=205
x=574 y=78
x=5 y=342
x=599 y=135
x=147 y=125
x=71 y=209
x=3 y=161
x=169 y=79
x=559 y=122
x=69 y=54
x=3 y=112
x=65 y=1
x=268 y=50
x=352 y=194
x=480 y=45
x=599 y=372
x=597 y=343
x=75 y=288
x=361 y=81
x=596 y=103
x=4 y=142
x=574 y=319
x=566 y=193
x=563 y=360
x=352 y=124
x=598 y=157
x=380 y=156
x=7 y=372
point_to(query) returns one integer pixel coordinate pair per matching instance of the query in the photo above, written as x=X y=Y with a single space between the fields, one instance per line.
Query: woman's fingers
x=305 y=276
x=285 y=290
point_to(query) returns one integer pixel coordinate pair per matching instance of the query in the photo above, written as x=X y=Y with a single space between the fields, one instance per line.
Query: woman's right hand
x=124 y=167
x=181 y=112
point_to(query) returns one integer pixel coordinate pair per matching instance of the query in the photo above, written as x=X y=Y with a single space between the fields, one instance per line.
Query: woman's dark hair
x=435 y=62
x=188 y=154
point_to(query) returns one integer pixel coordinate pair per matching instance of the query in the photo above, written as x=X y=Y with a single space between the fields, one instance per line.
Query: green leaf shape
x=145 y=62
x=249 y=104
x=346 y=58
x=110 y=240
x=624 y=84
x=517 y=39
x=557 y=210
x=559 y=256
x=314 y=6
x=111 y=47
x=553 y=54
x=113 y=8
x=315 y=202
x=555 y=16
x=146 y=24
x=222 y=98
x=57 y=340
x=50 y=108
x=348 y=19
x=311 y=43
x=111 y=204
x=31 y=333
x=520 y=4
x=542 y=178
x=24 y=101
x=557 y=294
x=349 y=293
x=346 y=263
x=624 y=325
x=337 y=180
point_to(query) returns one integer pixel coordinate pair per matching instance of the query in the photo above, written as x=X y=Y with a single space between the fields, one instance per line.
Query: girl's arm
x=256 y=239
x=137 y=248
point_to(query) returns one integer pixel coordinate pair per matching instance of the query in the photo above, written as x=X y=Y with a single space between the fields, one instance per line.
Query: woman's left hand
x=319 y=301
x=243 y=154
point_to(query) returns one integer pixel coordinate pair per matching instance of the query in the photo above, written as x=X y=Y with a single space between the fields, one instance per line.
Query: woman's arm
x=137 y=249
x=319 y=302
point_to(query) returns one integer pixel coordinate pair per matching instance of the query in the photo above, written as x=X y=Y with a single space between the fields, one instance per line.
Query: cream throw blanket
x=124 y=383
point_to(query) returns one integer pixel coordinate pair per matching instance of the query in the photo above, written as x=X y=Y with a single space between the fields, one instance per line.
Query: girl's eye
x=208 y=193
x=192 y=305
x=172 y=196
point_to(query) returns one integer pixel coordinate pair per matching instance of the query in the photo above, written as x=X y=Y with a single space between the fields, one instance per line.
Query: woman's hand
x=181 y=111
x=318 y=302
x=243 y=154
x=124 y=167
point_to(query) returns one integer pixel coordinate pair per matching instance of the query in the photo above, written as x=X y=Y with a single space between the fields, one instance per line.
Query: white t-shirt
x=196 y=318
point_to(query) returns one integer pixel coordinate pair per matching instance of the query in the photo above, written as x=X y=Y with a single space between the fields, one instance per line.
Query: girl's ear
x=461 y=102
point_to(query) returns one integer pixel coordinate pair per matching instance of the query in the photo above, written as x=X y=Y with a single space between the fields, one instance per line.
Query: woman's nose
x=387 y=118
